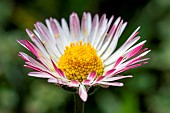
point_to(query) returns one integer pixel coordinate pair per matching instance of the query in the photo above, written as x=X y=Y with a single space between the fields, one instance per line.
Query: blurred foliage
x=147 y=92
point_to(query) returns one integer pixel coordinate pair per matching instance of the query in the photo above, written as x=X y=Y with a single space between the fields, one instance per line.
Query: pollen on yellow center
x=79 y=60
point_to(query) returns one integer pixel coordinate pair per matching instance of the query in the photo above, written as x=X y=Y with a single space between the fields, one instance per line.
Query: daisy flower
x=82 y=54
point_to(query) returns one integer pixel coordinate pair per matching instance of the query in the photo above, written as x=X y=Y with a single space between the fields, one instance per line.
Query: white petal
x=94 y=29
x=106 y=39
x=31 y=61
x=38 y=44
x=57 y=81
x=92 y=76
x=86 y=26
x=116 y=78
x=50 y=30
x=39 y=75
x=73 y=83
x=135 y=46
x=111 y=83
x=133 y=35
x=101 y=30
x=113 y=43
x=74 y=27
x=120 y=51
x=53 y=80
x=83 y=93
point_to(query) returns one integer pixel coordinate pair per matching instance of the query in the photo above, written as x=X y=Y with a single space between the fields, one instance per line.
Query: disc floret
x=79 y=60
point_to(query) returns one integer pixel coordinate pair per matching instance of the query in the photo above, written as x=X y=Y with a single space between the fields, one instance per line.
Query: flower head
x=82 y=55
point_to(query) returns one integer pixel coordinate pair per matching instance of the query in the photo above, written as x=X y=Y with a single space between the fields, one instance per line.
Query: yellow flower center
x=79 y=60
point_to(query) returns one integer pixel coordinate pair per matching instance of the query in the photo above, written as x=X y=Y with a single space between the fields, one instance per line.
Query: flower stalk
x=78 y=104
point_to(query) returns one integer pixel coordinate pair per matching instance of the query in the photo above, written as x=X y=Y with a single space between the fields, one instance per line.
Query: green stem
x=78 y=103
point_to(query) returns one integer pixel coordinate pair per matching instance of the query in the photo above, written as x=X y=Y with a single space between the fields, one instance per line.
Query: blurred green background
x=147 y=92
